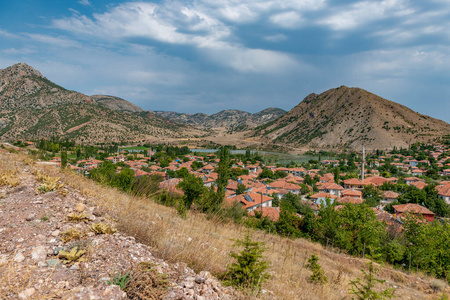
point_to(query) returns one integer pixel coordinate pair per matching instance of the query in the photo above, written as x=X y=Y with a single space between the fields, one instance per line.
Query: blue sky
x=209 y=55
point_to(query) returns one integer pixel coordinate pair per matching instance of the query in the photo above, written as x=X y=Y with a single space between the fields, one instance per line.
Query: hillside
x=34 y=224
x=36 y=228
x=350 y=117
x=33 y=107
x=116 y=103
x=230 y=119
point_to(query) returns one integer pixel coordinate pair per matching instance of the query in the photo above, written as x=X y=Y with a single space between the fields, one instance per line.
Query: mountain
x=116 y=103
x=350 y=117
x=21 y=87
x=231 y=119
x=33 y=107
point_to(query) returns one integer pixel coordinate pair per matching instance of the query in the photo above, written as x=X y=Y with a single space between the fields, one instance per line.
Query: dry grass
x=205 y=245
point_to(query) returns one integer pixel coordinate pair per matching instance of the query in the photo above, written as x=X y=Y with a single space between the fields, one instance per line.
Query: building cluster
x=254 y=193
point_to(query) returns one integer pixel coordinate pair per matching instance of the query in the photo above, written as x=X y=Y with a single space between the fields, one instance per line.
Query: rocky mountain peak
x=20 y=70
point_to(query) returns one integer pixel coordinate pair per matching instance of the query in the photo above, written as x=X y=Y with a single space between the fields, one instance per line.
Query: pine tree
x=318 y=275
x=250 y=269
x=365 y=290
x=63 y=159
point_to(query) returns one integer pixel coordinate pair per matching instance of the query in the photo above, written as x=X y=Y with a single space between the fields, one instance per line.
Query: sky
x=209 y=55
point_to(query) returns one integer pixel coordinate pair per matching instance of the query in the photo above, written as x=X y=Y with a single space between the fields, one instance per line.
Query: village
x=259 y=188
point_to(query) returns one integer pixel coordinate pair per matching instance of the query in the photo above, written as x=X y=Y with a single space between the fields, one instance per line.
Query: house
x=354 y=183
x=351 y=193
x=331 y=188
x=272 y=213
x=409 y=180
x=389 y=197
x=252 y=169
x=378 y=181
x=320 y=198
x=417 y=209
x=353 y=200
x=419 y=184
x=251 y=201
x=207 y=169
x=444 y=192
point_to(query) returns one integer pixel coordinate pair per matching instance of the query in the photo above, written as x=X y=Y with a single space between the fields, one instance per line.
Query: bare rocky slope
x=36 y=228
x=231 y=119
x=350 y=117
x=33 y=107
x=116 y=103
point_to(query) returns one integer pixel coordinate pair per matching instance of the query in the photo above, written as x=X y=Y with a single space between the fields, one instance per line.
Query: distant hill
x=232 y=120
x=116 y=103
x=350 y=117
x=33 y=107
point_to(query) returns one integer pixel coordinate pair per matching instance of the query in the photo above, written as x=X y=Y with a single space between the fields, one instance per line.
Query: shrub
x=250 y=269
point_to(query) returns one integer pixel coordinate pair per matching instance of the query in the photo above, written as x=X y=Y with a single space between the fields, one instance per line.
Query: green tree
x=63 y=159
x=266 y=173
x=193 y=188
x=249 y=270
x=372 y=195
x=241 y=188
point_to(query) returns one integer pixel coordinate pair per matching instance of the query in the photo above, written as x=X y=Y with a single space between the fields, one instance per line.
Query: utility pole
x=363 y=161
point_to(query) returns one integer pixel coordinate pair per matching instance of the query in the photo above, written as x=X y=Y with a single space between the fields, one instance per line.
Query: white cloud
x=276 y=38
x=4 y=33
x=179 y=24
x=58 y=41
x=85 y=2
x=19 y=51
x=360 y=13
x=174 y=24
x=253 y=60
x=288 y=19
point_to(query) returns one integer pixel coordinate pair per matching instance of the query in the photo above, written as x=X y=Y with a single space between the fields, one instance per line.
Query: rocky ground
x=49 y=249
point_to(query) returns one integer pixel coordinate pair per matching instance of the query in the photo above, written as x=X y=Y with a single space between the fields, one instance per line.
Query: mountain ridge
x=350 y=117
x=33 y=107
x=231 y=119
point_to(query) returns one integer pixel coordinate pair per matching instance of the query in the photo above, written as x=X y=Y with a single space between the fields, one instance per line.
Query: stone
x=19 y=257
x=199 y=280
x=54 y=263
x=27 y=293
x=55 y=233
x=80 y=207
x=30 y=217
x=39 y=254
x=3 y=259
x=75 y=267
